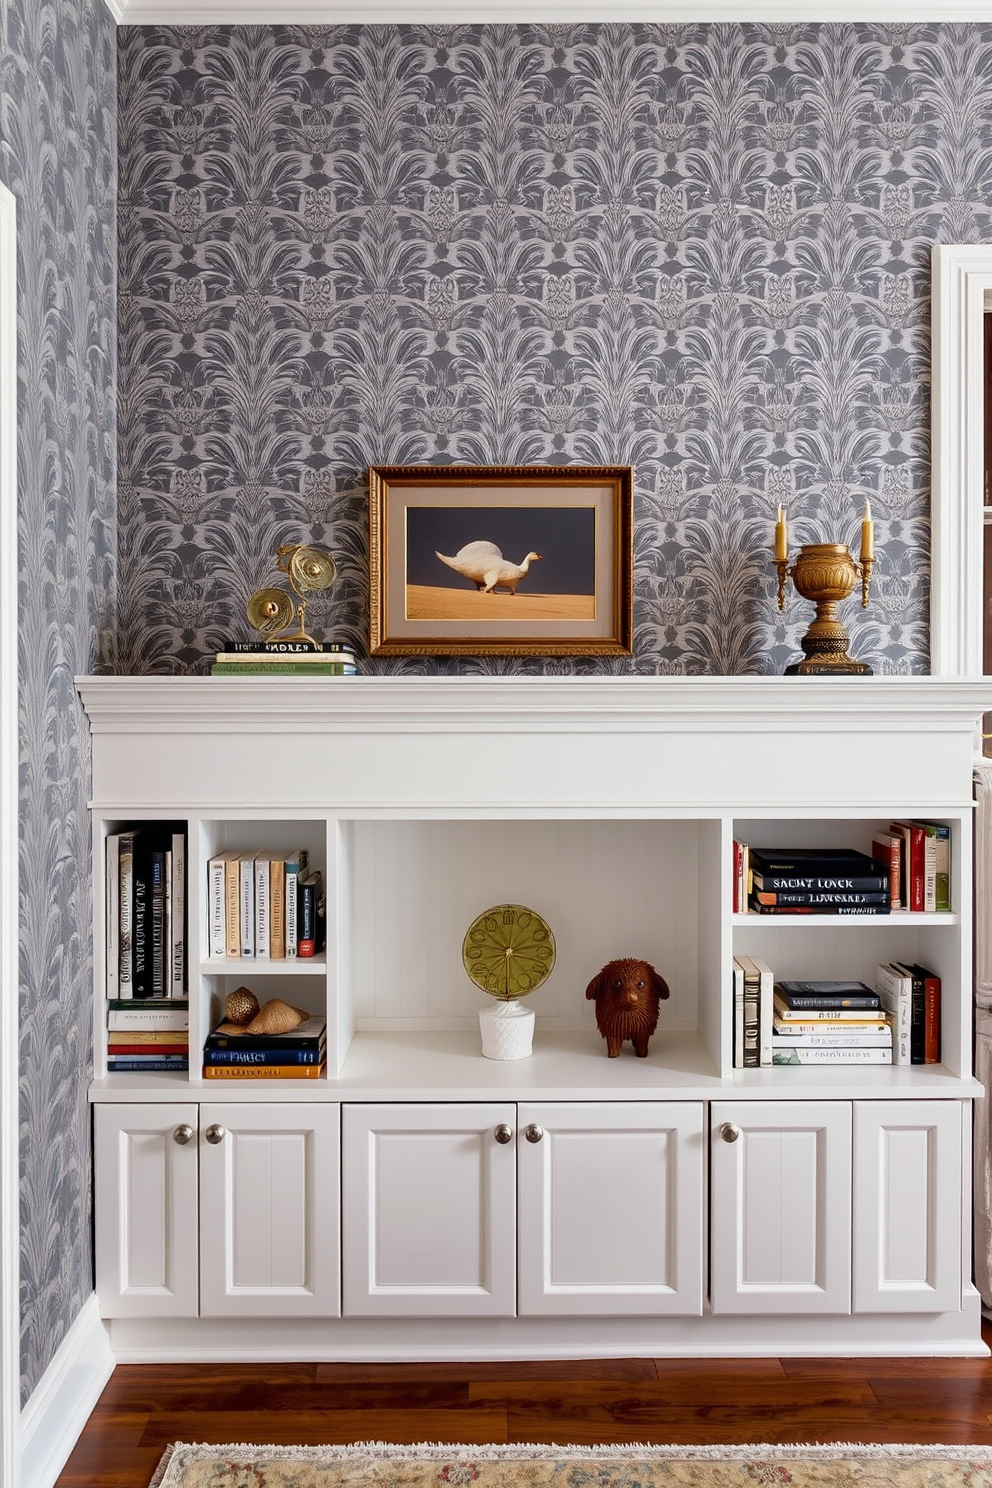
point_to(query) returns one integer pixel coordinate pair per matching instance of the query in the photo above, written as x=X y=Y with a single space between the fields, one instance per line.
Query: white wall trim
x=66 y=1394
x=10 y=1322
x=324 y=12
x=962 y=277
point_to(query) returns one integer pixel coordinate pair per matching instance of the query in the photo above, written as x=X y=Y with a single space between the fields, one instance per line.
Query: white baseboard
x=61 y=1403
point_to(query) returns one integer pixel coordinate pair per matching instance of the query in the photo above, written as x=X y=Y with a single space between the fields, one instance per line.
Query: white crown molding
x=448 y=12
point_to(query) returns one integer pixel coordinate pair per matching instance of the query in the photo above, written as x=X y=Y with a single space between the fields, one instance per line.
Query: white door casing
x=145 y=1200
x=962 y=287
x=429 y=1210
x=269 y=1197
x=780 y=1206
x=907 y=1206
x=10 y=1311
x=610 y=1201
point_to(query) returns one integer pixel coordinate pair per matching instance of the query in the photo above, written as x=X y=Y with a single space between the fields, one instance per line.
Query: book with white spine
x=262 y=908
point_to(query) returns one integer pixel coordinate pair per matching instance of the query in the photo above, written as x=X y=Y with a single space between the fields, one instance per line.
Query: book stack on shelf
x=146 y=912
x=919 y=857
x=147 y=1035
x=299 y=1054
x=829 y=1022
x=911 y=996
x=909 y=868
x=285 y=659
x=266 y=905
x=805 y=881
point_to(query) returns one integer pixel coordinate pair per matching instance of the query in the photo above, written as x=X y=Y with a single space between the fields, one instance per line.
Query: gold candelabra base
x=826 y=573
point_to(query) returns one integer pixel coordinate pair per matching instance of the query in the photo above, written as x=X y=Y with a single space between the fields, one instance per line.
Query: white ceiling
x=453 y=12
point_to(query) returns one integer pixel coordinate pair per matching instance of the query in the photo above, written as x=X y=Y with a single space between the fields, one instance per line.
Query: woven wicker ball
x=240 y=1006
x=276 y=1017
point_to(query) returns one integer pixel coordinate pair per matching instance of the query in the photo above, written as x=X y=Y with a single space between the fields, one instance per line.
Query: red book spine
x=931 y=1020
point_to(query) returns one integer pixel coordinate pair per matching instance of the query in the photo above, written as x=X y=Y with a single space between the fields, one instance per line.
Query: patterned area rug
x=378 y=1465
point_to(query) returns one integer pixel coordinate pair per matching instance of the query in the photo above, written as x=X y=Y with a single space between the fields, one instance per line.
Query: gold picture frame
x=457 y=567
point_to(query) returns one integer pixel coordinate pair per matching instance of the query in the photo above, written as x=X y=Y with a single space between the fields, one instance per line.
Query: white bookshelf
x=609 y=805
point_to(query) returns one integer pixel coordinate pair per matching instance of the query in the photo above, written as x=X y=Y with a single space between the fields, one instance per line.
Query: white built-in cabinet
x=217 y=1211
x=421 y=1201
x=471 y=1209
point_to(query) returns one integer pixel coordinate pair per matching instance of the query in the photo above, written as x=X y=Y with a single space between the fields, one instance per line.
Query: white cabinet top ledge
x=469 y=746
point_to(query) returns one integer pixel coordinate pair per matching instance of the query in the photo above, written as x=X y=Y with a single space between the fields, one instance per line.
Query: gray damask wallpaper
x=700 y=249
x=58 y=142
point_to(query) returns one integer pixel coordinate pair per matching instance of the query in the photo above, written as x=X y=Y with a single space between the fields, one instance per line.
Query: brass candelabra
x=826 y=573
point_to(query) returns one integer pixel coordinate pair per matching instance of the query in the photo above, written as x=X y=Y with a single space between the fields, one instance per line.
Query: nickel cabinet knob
x=215 y=1134
x=503 y=1134
x=534 y=1133
x=730 y=1131
x=182 y=1134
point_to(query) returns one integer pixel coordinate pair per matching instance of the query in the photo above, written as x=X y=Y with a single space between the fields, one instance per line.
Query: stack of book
x=147 y=1035
x=285 y=659
x=911 y=995
x=146 y=911
x=753 y=984
x=919 y=857
x=267 y=905
x=829 y=1022
x=300 y=1054
x=813 y=880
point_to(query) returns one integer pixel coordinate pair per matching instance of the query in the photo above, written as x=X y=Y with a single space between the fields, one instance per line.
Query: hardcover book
x=262 y=1071
x=832 y=1056
x=827 y=995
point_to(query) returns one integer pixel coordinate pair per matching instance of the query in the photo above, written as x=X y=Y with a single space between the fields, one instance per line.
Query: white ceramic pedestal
x=507 y=1031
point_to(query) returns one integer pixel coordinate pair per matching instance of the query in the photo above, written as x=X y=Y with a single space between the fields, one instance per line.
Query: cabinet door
x=269 y=1210
x=145 y=1205
x=780 y=1206
x=907 y=1206
x=429 y=1211
x=611 y=1208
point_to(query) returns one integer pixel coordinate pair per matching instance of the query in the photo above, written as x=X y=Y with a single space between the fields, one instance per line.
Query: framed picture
x=517 y=560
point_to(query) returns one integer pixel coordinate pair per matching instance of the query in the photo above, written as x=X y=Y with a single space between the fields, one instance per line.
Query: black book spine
x=141 y=971
x=796 y=1001
x=821 y=883
x=313 y=1055
x=306 y=918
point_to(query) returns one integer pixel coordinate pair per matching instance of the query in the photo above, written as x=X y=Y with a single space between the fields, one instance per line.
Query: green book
x=283 y=669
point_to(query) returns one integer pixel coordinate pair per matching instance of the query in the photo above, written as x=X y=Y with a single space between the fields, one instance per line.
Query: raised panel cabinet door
x=907 y=1206
x=429 y=1210
x=780 y=1206
x=145 y=1206
x=269 y=1211
x=610 y=1199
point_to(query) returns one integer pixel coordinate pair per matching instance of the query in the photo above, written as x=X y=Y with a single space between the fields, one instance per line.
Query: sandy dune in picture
x=427 y=602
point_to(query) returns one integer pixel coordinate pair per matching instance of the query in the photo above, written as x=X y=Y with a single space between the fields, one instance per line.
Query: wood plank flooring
x=147 y=1406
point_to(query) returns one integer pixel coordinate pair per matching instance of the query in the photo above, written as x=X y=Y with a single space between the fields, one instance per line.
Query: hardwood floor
x=145 y=1407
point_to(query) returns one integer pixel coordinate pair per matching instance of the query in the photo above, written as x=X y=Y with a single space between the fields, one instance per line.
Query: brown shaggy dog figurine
x=627 y=994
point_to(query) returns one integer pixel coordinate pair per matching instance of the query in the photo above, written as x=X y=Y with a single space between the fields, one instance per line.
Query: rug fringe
x=524 y=1451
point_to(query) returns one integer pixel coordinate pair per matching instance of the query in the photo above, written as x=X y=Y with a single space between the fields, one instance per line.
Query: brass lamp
x=826 y=573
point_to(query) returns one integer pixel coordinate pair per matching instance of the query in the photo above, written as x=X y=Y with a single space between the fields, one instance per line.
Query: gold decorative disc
x=311 y=570
x=270 y=610
x=508 y=950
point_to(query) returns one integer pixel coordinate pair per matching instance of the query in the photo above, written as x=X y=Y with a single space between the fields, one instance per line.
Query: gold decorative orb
x=270 y=610
x=240 y=1006
x=311 y=570
x=508 y=951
